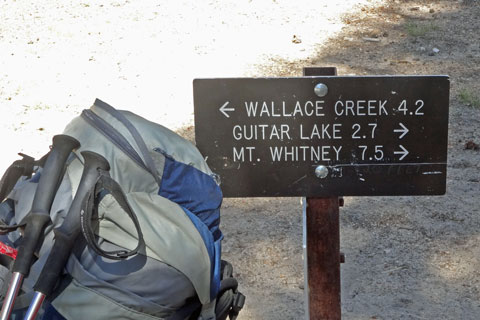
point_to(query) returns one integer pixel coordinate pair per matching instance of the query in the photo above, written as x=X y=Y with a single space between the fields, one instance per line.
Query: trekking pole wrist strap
x=106 y=183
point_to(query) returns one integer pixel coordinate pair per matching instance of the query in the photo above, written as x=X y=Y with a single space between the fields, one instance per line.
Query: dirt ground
x=406 y=257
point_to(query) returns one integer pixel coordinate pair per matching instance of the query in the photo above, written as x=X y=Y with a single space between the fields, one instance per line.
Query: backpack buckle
x=237 y=305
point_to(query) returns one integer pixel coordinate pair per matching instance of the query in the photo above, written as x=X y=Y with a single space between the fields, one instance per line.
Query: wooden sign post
x=323 y=247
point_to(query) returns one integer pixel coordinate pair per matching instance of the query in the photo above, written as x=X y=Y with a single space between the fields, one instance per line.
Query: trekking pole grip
x=39 y=217
x=66 y=234
x=62 y=146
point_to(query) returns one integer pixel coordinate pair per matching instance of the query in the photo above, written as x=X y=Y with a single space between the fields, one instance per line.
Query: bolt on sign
x=325 y=136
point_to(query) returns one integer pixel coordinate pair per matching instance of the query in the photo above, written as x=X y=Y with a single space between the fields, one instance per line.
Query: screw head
x=321 y=90
x=321 y=172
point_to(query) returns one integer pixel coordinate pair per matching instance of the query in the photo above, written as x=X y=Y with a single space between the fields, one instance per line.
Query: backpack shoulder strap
x=19 y=168
x=208 y=311
x=228 y=304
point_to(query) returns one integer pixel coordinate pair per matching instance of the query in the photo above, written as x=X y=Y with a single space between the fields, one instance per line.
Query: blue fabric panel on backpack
x=215 y=286
x=52 y=314
x=36 y=177
x=212 y=249
x=200 y=197
x=193 y=190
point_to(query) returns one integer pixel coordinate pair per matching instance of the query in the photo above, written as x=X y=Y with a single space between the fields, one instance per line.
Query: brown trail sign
x=324 y=137
x=371 y=136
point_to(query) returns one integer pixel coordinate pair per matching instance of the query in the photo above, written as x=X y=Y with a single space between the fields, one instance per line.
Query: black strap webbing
x=106 y=183
x=4 y=229
x=19 y=168
x=190 y=307
x=6 y=261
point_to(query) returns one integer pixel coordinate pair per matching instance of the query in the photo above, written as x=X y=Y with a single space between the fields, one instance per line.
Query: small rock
x=436 y=50
x=371 y=39
x=347 y=38
x=422 y=49
x=431 y=10
x=301 y=285
x=470 y=145
x=405 y=301
x=385 y=34
x=462 y=164
x=414 y=8
x=296 y=39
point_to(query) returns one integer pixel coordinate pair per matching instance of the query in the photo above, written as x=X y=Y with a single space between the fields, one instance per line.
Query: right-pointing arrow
x=404 y=152
x=404 y=130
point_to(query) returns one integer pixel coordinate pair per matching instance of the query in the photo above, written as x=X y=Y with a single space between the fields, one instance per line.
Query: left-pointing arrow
x=223 y=109
x=404 y=152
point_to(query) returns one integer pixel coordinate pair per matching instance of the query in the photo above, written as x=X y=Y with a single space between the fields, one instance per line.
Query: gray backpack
x=150 y=243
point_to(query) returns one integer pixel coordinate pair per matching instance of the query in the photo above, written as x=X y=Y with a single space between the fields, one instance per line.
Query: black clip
x=237 y=305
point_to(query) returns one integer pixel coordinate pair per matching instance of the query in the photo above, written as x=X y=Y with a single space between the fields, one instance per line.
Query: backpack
x=154 y=255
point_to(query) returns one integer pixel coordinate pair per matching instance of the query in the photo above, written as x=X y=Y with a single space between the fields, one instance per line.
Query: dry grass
x=469 y=98
x=420 y=29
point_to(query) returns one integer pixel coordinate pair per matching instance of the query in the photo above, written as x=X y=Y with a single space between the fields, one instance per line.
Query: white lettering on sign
x=361 y=108
x=370 y=132
x=239 y=154
x=272 y=109
x=321 y=140
x=415 y=110
x=305 y=153
x=261 y=132
x=323 y=131
x=376 y=153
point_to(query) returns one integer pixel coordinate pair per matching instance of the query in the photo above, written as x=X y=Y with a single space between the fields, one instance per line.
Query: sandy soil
x=407 y=257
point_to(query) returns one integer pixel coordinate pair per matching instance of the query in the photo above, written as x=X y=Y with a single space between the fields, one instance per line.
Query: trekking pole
x=66 y=234
x=39 y=217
